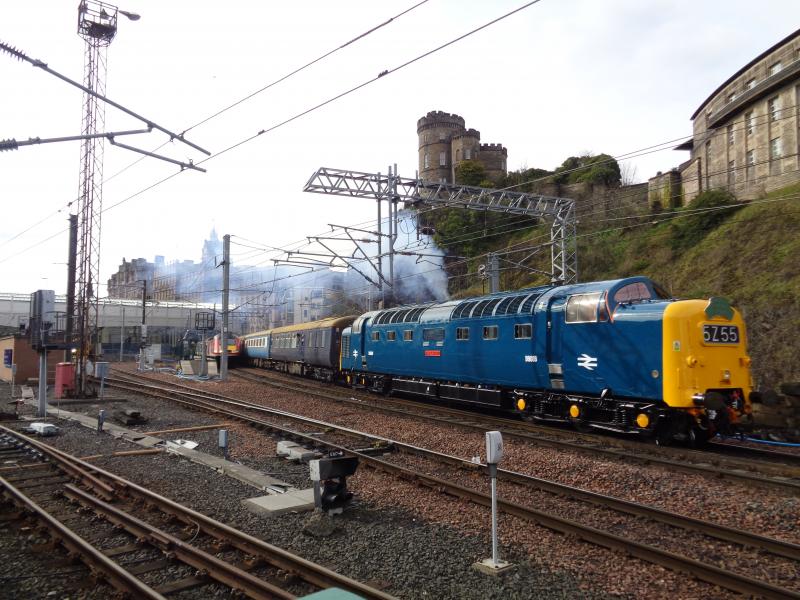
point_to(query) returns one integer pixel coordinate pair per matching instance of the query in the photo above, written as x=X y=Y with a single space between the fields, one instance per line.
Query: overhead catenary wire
x=296 y=116
x=230 y=107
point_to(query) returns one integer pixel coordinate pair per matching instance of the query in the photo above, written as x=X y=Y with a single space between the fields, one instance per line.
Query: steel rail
x=310 y=572
x=706 y=469
x=93 y=558
x=721 y=532
x=217 y=570
x=709 y=573
x=527 y=432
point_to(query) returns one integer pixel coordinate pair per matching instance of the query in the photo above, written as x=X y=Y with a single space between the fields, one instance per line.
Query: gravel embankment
x=768 y=512
x=386 y=546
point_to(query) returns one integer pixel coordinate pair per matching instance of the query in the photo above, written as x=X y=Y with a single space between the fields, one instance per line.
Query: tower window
x=442 y=159
x=426 y=161
x=467 y=153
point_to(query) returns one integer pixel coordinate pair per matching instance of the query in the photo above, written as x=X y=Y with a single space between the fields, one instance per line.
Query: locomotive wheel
x=698 y=438
x=663 y=434
x=581 y=426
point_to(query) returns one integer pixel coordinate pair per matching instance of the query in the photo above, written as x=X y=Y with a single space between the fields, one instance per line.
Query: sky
x=559 y=78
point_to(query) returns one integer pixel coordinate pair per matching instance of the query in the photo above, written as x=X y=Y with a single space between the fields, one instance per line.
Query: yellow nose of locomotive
x=706 y=366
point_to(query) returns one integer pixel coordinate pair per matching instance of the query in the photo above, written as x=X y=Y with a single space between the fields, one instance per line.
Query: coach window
x=462 y=333
x=523 y=332
x=582 y=308
x=391 y=336
x=376 y=336
x=490 y=332
x=408 y=335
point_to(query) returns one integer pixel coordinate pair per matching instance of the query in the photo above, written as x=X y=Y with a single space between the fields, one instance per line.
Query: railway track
x=751 y=466
x=462 y=478
x=183 y=550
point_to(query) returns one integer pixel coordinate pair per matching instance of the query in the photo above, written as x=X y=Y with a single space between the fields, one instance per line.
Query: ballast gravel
x=387 y=547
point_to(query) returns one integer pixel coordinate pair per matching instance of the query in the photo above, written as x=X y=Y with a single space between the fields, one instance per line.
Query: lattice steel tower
x=97 y=25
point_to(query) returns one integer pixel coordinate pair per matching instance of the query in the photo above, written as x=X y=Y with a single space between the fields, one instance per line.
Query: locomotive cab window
x=632 y=292
x=523 y=332
x=391 y=336
x=582 y=308
x=462 y=333
x=490 y=332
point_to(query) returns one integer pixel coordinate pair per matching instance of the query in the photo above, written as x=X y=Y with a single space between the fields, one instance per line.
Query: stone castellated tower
x=435 y=131
x=445 y=142
x=494 y=157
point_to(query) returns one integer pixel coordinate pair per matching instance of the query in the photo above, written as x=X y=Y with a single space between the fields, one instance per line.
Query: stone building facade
x=746 y=135
x=127 y=281
x=445 y=142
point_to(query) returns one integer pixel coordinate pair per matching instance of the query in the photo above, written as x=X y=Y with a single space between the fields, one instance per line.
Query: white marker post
x=494 y=454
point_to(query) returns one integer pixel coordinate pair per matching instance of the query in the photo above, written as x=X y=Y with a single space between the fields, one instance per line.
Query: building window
x=462 y=333
x=775 y=148
x=731 y=173
x=442 y=137
x=467 y=153
x=731 y=97
x=490 y=332
x=426 y=161
x=391 y=336
x=408 y=335
x=751 y=165
x=442 y=159
x=774 y=108
x=751 y=84
x=776 y=68
x=750 y=122
x=458 y=154
x=731 y=135
x=523 y=332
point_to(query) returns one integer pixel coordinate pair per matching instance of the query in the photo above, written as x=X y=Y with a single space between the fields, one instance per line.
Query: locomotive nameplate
x=720 y=334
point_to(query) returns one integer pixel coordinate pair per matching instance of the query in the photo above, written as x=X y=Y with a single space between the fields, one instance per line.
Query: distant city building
x=127 y=281
x=287 y=300
x=745 y=134
x=445 y=142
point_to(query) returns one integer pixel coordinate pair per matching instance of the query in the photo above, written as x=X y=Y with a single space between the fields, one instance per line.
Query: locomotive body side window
x=582 y=308
x=462 y=333
x=523 y=332
x=490 y=332
x=391 y=335
x=433 y=335
x=408 y=335
x=376 y=336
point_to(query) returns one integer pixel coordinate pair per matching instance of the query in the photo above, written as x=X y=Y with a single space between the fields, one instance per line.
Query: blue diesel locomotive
x=620 y=355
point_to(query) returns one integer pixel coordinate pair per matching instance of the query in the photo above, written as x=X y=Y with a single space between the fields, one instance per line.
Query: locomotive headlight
x=521 y=403
x=726 y=375
x=642 y=420
x=574 y=411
